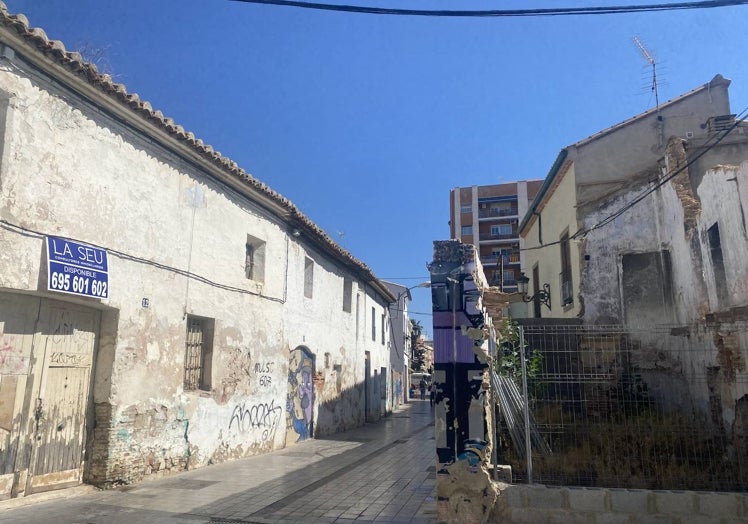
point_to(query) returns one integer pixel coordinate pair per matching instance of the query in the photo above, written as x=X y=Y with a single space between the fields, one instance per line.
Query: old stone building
x=160 y=308
x=642 y=228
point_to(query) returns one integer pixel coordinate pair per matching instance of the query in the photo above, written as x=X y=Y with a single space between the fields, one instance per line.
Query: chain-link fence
x=663 y=407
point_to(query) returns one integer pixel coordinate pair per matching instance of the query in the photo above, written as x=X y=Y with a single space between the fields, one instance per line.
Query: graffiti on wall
x=260 y=418
x=12 y=360
x=263 y=372
x=300 y=402
x=397 y=383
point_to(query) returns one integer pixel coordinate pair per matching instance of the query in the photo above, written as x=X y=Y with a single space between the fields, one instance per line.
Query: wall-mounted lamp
x=543 y=295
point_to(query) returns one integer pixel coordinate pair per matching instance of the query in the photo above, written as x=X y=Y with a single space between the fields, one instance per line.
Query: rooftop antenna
x=649 y=57
x=651 y=60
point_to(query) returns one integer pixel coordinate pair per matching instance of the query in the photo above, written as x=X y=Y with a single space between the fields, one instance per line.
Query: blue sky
x=366 y=122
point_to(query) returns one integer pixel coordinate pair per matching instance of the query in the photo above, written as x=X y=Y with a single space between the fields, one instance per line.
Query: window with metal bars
x=198 y=353
x=254 y=259
x=308 y=277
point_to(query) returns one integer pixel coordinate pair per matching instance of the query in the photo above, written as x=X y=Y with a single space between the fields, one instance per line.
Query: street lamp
x=543 y=295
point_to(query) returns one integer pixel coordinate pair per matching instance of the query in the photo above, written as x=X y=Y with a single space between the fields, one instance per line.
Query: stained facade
x=160 y=308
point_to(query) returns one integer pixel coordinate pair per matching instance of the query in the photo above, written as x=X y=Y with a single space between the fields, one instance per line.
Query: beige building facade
x=567 y=233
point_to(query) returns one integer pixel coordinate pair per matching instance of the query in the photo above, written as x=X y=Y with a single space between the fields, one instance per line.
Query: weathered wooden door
x=64 y=345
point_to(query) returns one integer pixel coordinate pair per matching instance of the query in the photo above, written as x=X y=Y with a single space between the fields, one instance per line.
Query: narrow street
x=382 y=472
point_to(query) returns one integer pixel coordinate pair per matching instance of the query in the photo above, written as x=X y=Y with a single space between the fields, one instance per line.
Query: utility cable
x=126 y=256
x=504 y=13
x=716 y=139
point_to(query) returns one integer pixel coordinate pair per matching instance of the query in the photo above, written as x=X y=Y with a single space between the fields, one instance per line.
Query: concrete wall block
x=546 y=497
x=514 y=496
x=633 y=501
x=587 y=499
x=549 y=516
x=675 y=502
x=719 y=504
x=612 y=518
x=655 y=519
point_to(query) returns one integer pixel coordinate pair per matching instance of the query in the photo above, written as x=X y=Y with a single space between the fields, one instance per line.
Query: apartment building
x=488 y=217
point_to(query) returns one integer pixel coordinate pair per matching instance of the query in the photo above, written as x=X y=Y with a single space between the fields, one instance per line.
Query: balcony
x=494 y=212
x=492 y=260
x=488 y=237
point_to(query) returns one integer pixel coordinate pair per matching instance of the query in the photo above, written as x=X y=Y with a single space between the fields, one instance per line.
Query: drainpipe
x=540 y=227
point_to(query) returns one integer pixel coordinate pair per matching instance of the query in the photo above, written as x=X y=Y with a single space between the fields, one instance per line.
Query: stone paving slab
x=381 y=472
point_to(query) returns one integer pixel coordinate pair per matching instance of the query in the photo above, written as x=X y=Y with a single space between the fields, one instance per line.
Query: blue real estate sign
x=76 y=268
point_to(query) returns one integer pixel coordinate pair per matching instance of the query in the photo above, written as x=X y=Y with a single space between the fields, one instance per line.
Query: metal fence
x=662 y=407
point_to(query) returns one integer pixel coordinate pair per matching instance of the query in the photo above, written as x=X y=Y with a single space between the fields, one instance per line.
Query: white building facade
x=159 y=307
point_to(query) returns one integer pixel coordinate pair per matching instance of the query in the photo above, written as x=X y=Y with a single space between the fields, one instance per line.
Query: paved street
x=382 y=472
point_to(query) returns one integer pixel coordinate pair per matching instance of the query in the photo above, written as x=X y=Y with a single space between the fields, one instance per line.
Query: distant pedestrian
x=422 y=387
x=432 y=393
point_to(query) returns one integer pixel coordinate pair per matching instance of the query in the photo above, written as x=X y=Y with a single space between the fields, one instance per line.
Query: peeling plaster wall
x=657 y=224
x=69 y=170
x=660 y=222
x=724 y=194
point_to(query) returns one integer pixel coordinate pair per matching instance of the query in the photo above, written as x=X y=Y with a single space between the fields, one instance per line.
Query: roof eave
x=547 y=183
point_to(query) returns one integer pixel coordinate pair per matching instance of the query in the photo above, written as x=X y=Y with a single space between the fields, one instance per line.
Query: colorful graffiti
x=397 y=383
x=300 y=403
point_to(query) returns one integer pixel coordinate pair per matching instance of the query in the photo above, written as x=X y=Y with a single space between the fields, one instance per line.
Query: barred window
x=254 y=259
x=198 y=353
x=308 y=277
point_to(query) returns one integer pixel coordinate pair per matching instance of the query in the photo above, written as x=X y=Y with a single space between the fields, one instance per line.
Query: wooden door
x=65 y=341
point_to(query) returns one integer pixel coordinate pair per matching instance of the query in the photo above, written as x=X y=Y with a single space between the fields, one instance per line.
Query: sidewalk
x=381 y=472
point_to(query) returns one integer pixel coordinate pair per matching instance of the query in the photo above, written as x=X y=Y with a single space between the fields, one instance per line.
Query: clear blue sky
x=366 y=122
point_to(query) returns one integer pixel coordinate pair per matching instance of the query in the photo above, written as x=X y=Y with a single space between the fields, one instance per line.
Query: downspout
x=540 y=227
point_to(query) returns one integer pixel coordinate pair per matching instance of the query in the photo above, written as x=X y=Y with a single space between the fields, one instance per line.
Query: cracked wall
x=70 y=170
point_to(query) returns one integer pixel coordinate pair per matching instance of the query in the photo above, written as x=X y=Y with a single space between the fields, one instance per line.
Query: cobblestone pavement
x=381 y=472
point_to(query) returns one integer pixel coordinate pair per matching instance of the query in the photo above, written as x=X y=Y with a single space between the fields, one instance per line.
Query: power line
x=504 y=13
x=662 y=182
x=648 y=191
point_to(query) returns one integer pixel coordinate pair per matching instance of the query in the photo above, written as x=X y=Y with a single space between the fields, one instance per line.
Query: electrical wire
x=649 y=190
x=126 y=256
x=504 y=13
x=739 y=120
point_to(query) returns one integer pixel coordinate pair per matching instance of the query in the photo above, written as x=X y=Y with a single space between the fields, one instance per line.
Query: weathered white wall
x=70 y=171
x=724 y=195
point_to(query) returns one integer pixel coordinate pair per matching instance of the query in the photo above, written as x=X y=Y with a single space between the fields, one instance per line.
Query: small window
x=567 y=293
x=383 y=329
x=308 y=277
x=254 y=259
x=467 y=230
x=466 y=209
x=198 y=353
x=373 y=324
x=347 y=294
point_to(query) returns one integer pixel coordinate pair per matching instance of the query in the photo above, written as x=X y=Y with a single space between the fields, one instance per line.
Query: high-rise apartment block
x=488 y=218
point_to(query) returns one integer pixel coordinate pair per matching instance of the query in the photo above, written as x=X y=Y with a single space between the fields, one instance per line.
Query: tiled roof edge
x=74 y=64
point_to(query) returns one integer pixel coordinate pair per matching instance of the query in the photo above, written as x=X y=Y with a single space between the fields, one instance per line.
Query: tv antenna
x=651 y=60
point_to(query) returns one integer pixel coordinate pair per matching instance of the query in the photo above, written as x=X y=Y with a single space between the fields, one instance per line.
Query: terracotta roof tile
x=75 y=64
